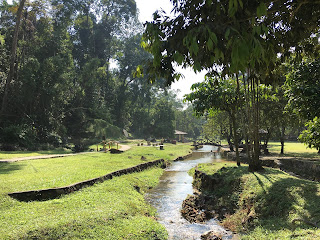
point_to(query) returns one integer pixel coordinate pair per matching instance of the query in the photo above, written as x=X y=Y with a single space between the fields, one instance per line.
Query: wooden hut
x=180 y=135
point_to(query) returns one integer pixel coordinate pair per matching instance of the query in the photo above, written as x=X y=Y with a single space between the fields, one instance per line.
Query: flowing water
x=175 y=185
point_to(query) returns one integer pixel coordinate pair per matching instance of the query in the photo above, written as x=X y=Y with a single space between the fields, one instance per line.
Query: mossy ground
x=115 y=209
x=266 y=204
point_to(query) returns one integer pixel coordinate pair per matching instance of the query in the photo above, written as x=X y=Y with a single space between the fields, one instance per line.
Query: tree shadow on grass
x=7 y=168
x=289 y=196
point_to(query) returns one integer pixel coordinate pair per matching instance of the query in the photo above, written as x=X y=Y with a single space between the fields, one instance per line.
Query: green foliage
x=15 y=136
x=303 y=89
x=163 y=120
x=215 y=93
x=65 y=84
x=217 y=126
x=311 y=136
x=186 y=121
x=232 y=34
x=233 y=37
x=2 y=41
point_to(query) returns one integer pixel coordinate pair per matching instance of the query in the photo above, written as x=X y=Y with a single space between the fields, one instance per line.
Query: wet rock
x=211 y=235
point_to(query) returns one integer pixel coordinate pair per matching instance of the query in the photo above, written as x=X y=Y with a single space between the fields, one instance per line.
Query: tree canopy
x=68 y=74
x=233 y=35
x=231 y=38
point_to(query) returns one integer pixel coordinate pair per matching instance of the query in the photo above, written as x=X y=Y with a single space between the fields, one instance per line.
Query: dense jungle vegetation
x=68 y=74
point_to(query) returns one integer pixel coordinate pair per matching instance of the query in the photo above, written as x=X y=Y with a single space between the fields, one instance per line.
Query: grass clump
x=115 y=209
x=265 y=205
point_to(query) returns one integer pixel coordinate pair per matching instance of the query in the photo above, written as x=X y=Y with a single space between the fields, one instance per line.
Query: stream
x=175 y=185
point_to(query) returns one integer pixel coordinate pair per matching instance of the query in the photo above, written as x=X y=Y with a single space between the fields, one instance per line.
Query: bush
x=311 y=136
x=15 y=136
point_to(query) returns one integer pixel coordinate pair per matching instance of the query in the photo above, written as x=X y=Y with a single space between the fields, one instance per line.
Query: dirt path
x=121 y=147
x=124 y=147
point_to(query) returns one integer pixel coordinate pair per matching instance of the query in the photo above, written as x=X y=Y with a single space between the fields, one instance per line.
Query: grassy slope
x=267 y=202
x=110 y=210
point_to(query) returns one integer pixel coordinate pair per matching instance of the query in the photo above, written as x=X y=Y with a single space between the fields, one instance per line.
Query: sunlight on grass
x=293 y=149
x=110 y=210
x=115 y=209
x=58 y=172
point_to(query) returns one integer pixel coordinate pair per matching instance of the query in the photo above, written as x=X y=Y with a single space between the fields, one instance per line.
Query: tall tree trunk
x=282 y=140
x=236 y=139
x=229 y=136
x=247 y=117
x=248 y=150
x=266 y=151
x=13 y=57
x=255 y=163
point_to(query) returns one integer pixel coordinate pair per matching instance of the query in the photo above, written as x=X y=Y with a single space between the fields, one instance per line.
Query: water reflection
x=175 y=185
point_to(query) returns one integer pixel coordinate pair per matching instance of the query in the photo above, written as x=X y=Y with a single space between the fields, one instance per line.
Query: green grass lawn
x=266 y=203
x=114 y=209
x=18 y=154
x=58 y=172
x=110 y=210
x=293 y=149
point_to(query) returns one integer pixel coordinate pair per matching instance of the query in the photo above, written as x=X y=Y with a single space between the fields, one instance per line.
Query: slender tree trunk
x=247 y=117
x=255 y=164
x=12 y=59
x=235 y=134
x=282 y=140
x=229 y=137
x=248 y=150
x=265 y=148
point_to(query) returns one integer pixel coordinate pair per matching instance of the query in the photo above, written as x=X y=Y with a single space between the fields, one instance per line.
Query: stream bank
x=269 y=204
x=174 y=187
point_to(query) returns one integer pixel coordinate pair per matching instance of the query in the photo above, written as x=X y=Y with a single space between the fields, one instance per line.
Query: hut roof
x=176 y=132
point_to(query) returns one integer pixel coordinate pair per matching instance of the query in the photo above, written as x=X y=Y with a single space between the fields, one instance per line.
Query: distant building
x=180 y=135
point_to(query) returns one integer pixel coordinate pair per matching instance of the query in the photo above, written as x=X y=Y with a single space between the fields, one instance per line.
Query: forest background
x=59 y=86
x=74 y=77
